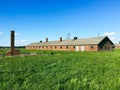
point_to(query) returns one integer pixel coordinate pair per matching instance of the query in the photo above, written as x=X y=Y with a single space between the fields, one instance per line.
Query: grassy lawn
x=64 y=70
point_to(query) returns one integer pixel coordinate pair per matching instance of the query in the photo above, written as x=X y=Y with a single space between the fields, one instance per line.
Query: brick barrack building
x=117 y=46
x=75 y=44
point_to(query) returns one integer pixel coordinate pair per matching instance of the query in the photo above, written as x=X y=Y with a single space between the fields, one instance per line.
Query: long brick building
x=85 y=44
x=117 y=46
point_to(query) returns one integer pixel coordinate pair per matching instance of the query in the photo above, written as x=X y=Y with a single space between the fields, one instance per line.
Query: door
x=76 y=48
x=82 y=48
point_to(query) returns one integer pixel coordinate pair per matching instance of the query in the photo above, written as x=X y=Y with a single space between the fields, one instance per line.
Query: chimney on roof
x=60 y=38
x=75 y=38
x=46 y=39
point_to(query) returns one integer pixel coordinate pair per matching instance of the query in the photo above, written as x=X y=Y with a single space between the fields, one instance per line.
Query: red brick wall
x=91 y=48
x=69 y=48
x=117 y=47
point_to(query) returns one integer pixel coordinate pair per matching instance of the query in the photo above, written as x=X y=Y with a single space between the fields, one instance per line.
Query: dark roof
x=84 y=41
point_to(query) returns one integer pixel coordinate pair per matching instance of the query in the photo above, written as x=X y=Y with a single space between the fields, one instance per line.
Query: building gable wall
x=106 y=47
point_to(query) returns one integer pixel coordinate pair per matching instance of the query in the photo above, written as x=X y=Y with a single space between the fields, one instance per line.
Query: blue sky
x=34 y=20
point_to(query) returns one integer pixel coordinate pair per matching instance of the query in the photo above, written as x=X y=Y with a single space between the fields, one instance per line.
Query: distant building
x=85 y=44
x=117 y=46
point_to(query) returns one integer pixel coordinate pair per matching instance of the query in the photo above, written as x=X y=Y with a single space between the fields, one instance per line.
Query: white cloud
x=16 y=34
x=112 y=38
x=109 y=33
x=1 y=33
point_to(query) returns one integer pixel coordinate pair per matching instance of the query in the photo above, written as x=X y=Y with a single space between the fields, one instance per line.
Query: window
x=61 y=47
x=50 y=46
x=74 y=47
x=92 y=46
x=67 y=47
x=105 y=47
x=46 y=46
x=55 y=47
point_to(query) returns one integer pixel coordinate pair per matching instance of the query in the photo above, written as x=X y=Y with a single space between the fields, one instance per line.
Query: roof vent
x=60 y=38
x=41 y=41
x=75 y=38
x=46 y=39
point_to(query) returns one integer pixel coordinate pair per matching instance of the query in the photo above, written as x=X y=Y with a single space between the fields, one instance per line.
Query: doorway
x=82 y=48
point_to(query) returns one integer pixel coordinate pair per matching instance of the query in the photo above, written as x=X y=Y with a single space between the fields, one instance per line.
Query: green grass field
x=64 y=70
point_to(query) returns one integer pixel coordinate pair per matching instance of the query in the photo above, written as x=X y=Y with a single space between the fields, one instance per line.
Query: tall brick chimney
x=12 y=42
x=60 y=38
x=12 y=49
x=46 y=39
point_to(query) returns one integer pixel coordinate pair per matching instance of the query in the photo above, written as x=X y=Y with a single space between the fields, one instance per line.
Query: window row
x=53 y=47
x=57 y=47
